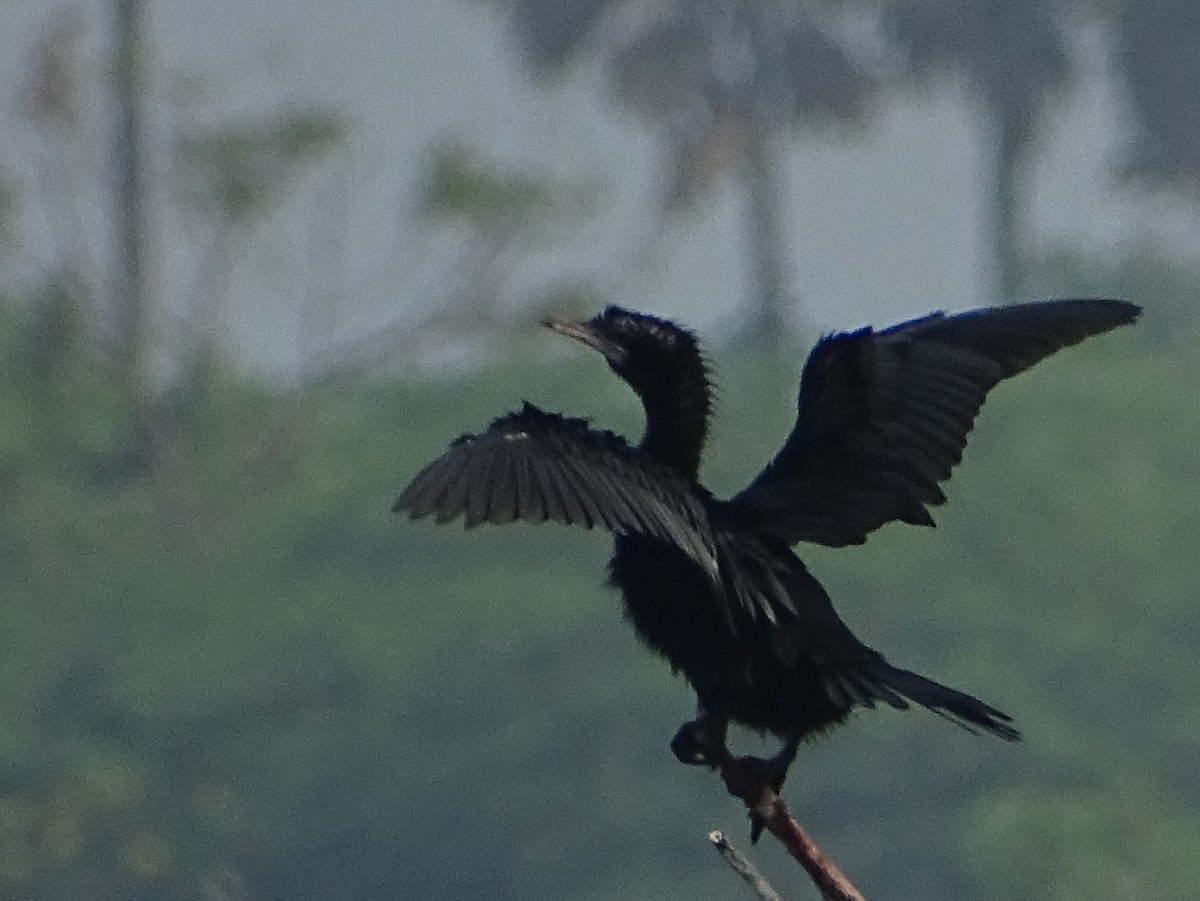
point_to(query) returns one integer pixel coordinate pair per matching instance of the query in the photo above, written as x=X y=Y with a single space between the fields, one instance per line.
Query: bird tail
x=874 y=679
x=958 y=707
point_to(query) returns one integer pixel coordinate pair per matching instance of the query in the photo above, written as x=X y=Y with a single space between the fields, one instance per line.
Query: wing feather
x=502 y=507
x=883 y=416
x=615 y=506
x=531 y=466
x=571 y=508
x=479 y=498
x=528 y=494
x=452 y=488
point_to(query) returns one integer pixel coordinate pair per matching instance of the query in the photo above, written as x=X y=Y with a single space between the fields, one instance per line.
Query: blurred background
x=259 y=262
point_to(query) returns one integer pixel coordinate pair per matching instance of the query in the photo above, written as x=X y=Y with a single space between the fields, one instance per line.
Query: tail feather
x=968 y=712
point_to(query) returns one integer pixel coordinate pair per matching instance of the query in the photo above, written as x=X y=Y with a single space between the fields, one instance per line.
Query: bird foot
x=700 y=743
x=770 y=771
x=757 y=781
x=768 y=776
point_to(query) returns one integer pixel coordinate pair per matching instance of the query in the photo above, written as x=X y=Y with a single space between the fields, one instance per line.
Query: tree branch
x=743 y=867
x=744 y=780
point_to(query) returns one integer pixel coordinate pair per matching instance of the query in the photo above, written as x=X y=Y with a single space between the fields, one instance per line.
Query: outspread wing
x=535 y=466
x=884 y=416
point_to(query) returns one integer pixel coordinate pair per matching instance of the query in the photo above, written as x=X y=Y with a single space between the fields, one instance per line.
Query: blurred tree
x=54 y=96
x=503 y=216
x=8 y=204
x=1012 y=57
x=1145 y=268
x=719 y=80
x=131 y=313
x=234 y=176
x=490 y=236
x=1158 y=56
x=92 y=147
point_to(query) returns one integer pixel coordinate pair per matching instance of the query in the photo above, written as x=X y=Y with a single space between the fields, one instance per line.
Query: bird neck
x=677 y=414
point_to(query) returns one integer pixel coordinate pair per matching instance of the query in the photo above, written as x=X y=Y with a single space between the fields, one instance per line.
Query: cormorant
x=713 y=585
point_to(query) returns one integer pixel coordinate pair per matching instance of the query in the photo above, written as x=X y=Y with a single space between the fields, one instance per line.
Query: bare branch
x=743 y=867
x=743 y=777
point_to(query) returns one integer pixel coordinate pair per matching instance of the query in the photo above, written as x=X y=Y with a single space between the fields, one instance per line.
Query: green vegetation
x=239 y=669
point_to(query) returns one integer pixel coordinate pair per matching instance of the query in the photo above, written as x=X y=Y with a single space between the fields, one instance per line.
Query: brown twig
x=744 y=781
x=743 y=867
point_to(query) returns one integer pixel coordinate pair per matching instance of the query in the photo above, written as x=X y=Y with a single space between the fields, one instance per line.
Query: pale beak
x=588 y=334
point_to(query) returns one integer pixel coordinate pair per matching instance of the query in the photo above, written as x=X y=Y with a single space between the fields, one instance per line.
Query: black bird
x=713 y=585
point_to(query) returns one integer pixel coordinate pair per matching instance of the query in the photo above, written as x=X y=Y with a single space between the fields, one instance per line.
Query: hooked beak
x=586 y=333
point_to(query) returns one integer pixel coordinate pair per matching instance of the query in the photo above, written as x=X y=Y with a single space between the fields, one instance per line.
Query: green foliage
x=239 y=668
x=460 y=186
x=239 y=171
x=498 y=216
x=1025 y=840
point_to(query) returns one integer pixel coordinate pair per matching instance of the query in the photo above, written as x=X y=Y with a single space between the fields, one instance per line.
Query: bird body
x=713 y=584
x=762 y=674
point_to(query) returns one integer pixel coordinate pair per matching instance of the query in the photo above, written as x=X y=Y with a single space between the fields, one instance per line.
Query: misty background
x=259 y=262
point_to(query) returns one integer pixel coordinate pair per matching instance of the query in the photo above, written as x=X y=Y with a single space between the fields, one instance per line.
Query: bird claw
x=757 y=825
x=767 y=775
x=767 y=772
x=757 y=780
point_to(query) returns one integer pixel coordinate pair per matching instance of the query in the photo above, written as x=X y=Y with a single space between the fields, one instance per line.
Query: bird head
x=662 y=363
x=642 y=349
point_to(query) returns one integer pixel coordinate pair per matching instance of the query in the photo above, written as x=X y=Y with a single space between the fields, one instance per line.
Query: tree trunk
x=326 y=269
x=1007 y=140
x=130 y=301
x=767 y=322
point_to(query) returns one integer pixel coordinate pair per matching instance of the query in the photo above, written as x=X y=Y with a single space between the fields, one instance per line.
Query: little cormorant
x=713 y=585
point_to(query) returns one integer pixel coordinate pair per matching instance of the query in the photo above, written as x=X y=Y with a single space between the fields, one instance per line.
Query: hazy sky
x=880 y=228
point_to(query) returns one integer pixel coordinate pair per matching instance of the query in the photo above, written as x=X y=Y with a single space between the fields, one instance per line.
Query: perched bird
x=713 y=585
